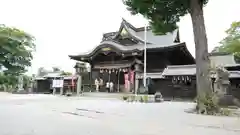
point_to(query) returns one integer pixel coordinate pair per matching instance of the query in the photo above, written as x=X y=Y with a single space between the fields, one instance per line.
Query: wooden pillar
x=118 y=85
x=91 y=80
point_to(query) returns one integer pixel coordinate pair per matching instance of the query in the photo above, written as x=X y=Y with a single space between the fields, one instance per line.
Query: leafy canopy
x=231 y=43
x=163 y=14
x=64 y=73
x=16 y=49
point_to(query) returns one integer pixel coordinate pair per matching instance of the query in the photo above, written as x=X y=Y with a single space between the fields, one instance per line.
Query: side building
x=119 y=59
x=184 y=76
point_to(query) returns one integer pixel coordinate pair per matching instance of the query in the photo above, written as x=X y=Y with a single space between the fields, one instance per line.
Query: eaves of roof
x=123 y=49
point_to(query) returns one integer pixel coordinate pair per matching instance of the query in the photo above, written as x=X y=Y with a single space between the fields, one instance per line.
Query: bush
x=207 y=103
x=141 y=99
x=145 y=98
x=132 y=98
x=125 y=98
x=225 y=112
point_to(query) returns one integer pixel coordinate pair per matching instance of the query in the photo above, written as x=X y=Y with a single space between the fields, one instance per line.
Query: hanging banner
x=72 y=82
x=126 y=79
x=132 y=77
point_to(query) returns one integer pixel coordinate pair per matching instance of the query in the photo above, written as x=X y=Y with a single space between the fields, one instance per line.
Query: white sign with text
x=57 y=83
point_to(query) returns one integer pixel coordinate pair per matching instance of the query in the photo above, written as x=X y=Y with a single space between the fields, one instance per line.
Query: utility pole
x=145 y=56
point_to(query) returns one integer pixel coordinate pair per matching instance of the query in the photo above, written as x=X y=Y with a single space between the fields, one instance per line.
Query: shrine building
x=119 y=59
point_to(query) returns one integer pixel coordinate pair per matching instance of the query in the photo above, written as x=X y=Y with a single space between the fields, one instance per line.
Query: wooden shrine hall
x=119 y=58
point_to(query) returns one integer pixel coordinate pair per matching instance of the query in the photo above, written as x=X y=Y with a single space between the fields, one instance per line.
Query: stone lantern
x=137 y=68
x=222 y=81
x=80 y=68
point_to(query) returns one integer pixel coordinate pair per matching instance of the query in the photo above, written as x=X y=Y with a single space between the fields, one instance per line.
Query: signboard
x=57 y=83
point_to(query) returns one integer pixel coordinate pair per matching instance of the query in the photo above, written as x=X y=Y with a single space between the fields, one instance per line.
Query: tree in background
x=163 y=16
x=66 y=73
x=231 y=43
x=41 y=72
x=9 y=82
x=56 y=69
x=16 y=47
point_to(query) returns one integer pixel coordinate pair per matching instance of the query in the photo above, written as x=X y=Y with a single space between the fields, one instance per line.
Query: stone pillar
x=136 y=87
x=222 y=81
x=137 y=77
x=54 y=91
x=61 y=91
x=30 y=89
x=79 y=85
x=20 y=83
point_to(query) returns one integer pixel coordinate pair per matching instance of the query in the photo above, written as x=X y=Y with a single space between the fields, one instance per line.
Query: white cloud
x=64 y=27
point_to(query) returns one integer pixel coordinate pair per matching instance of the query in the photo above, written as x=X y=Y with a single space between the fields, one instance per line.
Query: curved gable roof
x=138 y=34
x=123 y=49
x=154 y=41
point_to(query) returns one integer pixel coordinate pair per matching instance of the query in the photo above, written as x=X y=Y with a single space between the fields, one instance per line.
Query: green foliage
x=132 y=98
x=231 y=43
x=225 y=112
x=8 y=82
x=16 y=49
x=207 y=103
x=145 y=98
x=66 y=73
x=162 y=14
x=125 y=97
x=27 y=80
x=141 y=99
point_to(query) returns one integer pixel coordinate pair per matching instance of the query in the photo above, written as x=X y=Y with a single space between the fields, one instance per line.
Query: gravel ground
x=55 y=115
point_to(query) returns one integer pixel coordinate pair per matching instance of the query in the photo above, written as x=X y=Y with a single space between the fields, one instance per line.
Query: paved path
x=52 y=115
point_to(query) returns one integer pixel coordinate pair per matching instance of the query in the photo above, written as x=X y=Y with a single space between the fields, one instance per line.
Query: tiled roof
x=232 y=74
x=182 y=70
x=151 y=75
x=167 y=38
x=53 y=74
x=153 y=41
x=179 y=70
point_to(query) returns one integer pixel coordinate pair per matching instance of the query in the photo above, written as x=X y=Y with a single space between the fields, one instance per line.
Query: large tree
x=231 y=43
x=16 y=47
x=163 y=16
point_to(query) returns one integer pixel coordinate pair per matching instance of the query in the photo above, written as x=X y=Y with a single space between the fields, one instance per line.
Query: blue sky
x=64 y=27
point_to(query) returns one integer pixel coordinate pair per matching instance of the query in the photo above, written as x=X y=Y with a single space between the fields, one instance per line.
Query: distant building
x=44 y=84
x=179 y=73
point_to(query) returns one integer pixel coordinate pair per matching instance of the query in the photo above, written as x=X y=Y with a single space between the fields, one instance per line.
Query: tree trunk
x=201 y=47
